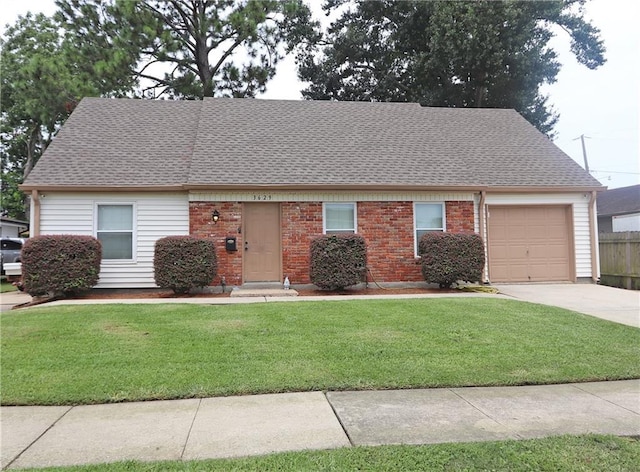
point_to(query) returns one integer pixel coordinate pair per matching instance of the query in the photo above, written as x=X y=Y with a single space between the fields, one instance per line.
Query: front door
x=261 y=242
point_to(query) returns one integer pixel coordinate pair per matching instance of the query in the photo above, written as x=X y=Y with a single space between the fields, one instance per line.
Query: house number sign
x=261 y=197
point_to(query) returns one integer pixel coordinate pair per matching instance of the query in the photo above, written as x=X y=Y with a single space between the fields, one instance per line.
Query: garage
x=530 y=243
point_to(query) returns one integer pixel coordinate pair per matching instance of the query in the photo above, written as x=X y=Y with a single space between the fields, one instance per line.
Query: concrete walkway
x=252 y=425
x=9 y=299
x=613 y=304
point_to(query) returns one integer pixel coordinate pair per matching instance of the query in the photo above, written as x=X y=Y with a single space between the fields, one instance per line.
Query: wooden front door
x=261 y=242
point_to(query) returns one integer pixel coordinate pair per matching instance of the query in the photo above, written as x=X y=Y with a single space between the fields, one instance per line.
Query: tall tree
x=38 y=92
x=449 y=53
x=43 y=78
x=191 y=48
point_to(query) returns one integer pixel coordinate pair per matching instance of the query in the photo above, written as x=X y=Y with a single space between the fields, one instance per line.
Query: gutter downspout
x=595 y=250
x=481 y=225
x=35 y=214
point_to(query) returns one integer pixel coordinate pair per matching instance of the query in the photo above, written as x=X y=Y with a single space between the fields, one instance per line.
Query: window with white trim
x=339 y=218
x=427 y=217
x=114 y=229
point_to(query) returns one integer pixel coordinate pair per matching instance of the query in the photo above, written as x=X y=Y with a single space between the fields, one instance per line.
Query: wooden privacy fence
x=620 y=259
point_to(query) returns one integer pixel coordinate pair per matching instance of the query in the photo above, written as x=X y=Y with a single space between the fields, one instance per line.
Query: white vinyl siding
x=427 y=217
x=581 y=230
x=156 y=215
x=339 y=218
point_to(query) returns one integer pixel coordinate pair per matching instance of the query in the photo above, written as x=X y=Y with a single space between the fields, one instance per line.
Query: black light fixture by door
x=215 y=216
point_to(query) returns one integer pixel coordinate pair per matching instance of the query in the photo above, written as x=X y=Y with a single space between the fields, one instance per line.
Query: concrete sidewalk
x=262 y=424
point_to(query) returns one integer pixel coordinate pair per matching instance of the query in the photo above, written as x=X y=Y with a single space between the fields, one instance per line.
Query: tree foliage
x=171 y=48
x=444 y=53
x=190 y=48
x=40 y=87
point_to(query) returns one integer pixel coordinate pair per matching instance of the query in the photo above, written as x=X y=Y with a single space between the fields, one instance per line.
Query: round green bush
x=338 y=261
x=184 y=262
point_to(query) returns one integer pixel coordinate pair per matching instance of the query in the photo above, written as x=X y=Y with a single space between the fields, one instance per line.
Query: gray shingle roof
x=121 y=142
x=249 y=142
x=619 y=201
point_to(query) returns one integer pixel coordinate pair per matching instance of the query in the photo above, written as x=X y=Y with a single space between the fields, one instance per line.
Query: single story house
x=619 y=210
x=262 y=178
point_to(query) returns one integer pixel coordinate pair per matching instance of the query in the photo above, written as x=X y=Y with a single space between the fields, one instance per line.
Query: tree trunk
x=481 y=90
x=35 y=137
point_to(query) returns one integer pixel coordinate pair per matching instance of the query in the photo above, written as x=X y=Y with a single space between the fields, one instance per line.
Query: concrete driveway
x=613 y=304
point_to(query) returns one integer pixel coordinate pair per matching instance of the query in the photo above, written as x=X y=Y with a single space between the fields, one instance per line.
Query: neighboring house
x=619 y=210
x=277 y=174
x=10 y=228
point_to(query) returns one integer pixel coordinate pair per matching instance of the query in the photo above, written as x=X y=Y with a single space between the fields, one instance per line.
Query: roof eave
x=101 y=188
x=375 y=187
x=300 y=187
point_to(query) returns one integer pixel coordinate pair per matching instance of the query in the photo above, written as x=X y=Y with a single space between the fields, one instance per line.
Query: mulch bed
x=160 y=293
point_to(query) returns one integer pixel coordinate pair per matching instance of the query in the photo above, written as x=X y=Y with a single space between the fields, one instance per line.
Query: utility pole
x=584 y=151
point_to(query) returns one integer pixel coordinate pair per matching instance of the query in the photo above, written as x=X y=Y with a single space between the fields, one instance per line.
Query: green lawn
x=110 y=353
x=6 y=286
x=584 y=453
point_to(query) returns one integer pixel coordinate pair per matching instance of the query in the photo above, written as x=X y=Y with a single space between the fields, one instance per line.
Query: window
x=339 y=218
x=428 y=217
x=115 y=231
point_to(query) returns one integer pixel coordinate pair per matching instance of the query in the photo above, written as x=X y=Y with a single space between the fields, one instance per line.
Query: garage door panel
x=516 y=252
x=516 y=232
x=548 y=273
x=517 y=271
x=556 y=217
x=557 y=231
x=529 y=243
x=548 y=252
x=535 y=232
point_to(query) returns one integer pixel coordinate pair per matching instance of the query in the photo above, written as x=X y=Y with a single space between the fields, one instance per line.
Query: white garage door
x=530 y=243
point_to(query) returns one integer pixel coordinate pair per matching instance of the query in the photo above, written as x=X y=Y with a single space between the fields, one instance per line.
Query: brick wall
x=301 y=222
x=386 y=226
x=459 y=217
x=202 y=226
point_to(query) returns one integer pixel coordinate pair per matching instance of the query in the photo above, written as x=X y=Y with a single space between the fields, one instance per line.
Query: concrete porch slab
x=262 y=292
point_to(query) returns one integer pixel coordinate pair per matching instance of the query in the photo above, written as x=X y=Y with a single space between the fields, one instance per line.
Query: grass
x=583 y=453
x=110 y=353
x=6 y=286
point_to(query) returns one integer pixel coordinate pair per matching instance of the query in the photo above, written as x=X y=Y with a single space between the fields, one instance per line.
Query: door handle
x=246 y=245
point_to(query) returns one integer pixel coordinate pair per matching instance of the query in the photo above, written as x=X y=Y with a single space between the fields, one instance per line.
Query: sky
x=602 y=104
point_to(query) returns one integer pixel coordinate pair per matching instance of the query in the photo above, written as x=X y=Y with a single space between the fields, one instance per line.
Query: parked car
x=11 y=248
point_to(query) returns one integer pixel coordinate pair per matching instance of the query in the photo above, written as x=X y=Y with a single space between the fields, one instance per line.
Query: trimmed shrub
x=61 y=264
x=450 y=257
x=338 y=261
x=184 y=262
